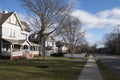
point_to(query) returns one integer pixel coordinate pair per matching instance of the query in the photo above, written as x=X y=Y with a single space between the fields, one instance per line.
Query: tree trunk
x=41 y=45
x=71 y=51
x=43 y=49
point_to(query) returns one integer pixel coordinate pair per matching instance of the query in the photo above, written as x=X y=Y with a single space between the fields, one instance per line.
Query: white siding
x=50 y=43
x=23 y=35
x=12 y=30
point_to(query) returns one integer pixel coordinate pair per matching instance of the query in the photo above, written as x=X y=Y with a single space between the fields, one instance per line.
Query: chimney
x=5 y=11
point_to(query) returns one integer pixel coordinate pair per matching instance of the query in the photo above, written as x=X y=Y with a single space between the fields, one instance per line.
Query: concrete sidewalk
x=90 y=71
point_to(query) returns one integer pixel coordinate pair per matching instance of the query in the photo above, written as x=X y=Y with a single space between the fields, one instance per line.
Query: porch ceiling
x=33 y=44
x=14 y=41
x=19 y=42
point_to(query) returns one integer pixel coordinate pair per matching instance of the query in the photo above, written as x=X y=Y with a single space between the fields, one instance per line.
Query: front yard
x=58 y=69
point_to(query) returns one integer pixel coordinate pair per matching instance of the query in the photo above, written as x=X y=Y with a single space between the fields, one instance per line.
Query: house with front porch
x=14 y=43
x=50 y=43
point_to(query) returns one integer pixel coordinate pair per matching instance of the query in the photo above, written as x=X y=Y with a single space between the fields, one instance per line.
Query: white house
x=14 y=43
x=50 y=43
x=62 y=47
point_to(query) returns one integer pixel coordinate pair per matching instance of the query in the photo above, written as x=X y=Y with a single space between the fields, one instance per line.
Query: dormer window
x=14 y=34
x=13 y=20
x=9 y=20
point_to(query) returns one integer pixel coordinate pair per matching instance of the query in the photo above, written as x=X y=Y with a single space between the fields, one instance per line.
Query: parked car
x=59 y=54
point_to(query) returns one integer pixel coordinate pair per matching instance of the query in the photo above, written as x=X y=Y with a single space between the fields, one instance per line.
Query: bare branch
x=48 y=13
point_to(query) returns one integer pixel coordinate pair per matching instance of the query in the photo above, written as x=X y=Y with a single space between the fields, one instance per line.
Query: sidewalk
x=90 y=71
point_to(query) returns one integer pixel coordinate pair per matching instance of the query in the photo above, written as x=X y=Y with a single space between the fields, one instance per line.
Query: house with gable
x=14 y=43
x=50 y=43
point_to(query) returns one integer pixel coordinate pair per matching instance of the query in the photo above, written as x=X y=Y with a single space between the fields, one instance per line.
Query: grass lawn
x=58 y=69
x=107 y=73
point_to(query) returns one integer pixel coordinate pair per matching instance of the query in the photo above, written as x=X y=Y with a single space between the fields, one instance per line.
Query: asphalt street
x=111 y=61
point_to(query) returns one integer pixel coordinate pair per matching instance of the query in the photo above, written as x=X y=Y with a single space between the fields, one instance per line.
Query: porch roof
x=15 y=41
x=20 y=42
x=33 y=44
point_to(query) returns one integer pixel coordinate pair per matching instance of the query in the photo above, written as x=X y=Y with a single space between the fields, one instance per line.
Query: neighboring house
x=50 y=43
x=14 y=43
x=62 y=47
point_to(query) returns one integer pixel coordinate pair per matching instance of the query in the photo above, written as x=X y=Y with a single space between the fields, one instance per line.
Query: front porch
x=18 y=49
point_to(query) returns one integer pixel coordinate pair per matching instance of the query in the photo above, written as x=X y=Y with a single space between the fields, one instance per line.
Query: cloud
x=89 y=35
x=110 y=14
x=103 y=19
x=106 y=19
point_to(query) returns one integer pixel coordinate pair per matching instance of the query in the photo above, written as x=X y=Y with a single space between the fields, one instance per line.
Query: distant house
x=14 y=43
x=62 y=47
x=50 y=43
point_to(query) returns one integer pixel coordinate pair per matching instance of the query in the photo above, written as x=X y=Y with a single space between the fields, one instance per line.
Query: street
x=111 y=61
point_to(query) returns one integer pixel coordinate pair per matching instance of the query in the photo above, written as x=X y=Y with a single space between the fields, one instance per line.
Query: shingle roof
x=4 y=17
x=33 y=44
x=26 y=26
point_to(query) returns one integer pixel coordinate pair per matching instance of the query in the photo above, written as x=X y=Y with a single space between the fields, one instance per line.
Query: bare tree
x=112 y=41
x=117 y=31
x=71 y=32
x=48 y=14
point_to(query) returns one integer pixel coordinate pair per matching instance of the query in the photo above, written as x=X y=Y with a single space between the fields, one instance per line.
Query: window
x=13 y=20
x=25 y=47
x=52 y=43
x=10 y=20
x=12 y=33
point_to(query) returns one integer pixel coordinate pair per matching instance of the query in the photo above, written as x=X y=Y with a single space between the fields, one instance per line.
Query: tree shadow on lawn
x=38 y=62
x=58 y=69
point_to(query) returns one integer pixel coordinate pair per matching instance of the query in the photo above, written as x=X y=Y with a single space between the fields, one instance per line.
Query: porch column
x=29 y=48
x=11 y=48
x=1 y=46
x=21 y=48
x=35 y=48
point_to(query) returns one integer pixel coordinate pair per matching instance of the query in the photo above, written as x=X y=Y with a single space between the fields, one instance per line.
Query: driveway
x=111 y=61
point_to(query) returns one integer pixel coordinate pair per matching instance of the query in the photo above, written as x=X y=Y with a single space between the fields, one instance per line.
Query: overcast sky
x=98 y=17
